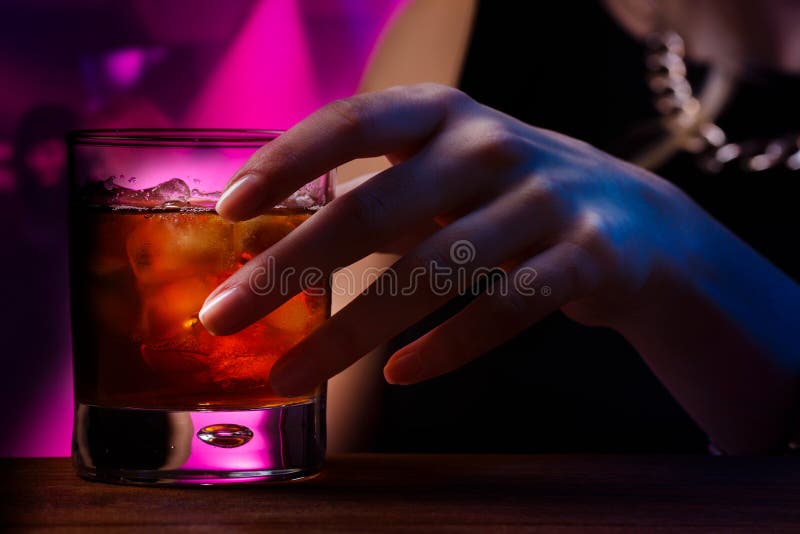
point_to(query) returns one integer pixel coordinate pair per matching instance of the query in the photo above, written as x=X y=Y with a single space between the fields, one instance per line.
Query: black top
x=561 y=386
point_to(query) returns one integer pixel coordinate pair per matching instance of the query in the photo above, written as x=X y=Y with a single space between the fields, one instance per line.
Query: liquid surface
x=139 y=278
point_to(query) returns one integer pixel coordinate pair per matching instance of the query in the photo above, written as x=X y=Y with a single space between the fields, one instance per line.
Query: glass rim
x=173 y=137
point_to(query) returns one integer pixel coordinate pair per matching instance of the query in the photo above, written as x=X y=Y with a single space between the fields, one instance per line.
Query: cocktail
x=158 y=398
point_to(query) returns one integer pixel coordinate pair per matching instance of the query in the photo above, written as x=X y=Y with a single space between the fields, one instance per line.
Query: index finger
x=394 y=121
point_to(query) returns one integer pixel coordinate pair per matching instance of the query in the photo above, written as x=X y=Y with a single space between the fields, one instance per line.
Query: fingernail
x=403 y=368
x=287 y=379
x=221 y=312
x=241 y=199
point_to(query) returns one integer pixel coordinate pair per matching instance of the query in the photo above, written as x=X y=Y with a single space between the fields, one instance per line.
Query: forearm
x=720 y=330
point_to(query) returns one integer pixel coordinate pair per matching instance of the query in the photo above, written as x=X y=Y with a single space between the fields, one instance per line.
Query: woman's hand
x=575 y=228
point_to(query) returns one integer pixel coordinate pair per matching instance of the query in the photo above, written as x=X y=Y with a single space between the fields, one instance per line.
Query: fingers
x=561 y=275
x=372 y=124
x=346 y=187
x=390 y=205
x=444 y=265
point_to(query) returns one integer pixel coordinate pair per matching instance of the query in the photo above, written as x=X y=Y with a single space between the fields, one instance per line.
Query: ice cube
x=169 y=311
x=257 y=235
x=172 y=193
x=243 y=361
x=172 y=338
x=204 y=199
x=292 y=317
x=241 y=373
x=169 y=246
x=309 y=196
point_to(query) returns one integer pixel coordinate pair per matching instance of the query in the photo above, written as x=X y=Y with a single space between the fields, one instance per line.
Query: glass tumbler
x=159 y=400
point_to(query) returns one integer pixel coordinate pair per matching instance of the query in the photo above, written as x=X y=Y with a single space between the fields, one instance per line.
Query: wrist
x=713 y=323
x=680 y=251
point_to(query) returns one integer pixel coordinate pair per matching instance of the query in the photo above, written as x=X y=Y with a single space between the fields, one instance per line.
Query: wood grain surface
x=431 y=493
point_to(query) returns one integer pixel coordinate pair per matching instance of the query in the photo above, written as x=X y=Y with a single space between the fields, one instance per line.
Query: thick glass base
x=132 y=446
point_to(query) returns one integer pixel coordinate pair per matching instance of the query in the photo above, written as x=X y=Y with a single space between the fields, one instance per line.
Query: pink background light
x=288 y=58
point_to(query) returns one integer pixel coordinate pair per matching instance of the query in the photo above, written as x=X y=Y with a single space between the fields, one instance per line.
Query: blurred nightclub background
x=566 y=66
x=134 y=63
